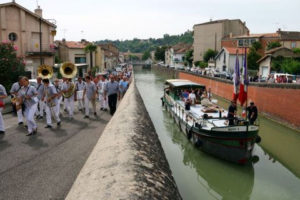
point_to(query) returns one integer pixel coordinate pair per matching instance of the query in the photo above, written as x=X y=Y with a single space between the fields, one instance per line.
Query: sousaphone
x=45 y=71
x=68 y=70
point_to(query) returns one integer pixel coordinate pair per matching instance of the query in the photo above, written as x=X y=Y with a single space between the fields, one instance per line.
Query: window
x=80 y=60
x=293 y=45
x=12 y=37
x=241 y=43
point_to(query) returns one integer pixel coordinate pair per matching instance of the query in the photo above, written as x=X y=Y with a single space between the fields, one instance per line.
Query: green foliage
x=90 y=48
x=209 y=54
x=286 y=65
x=160 y=53
x=201 y=64
x=273 y=45
x=133 y=57
x=253 y=56
x=57 y=59
x=11 y=66
x=146 y=55
x=138 y=45
x=189 y=58
x=256 y=45
x=296 y=51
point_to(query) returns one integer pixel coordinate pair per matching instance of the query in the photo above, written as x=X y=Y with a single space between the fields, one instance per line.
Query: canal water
x=200 y=176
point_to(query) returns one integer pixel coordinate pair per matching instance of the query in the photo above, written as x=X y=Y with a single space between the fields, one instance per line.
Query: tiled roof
x=232 y=50
x=289 y=35
x=258 y=35
x=74 y=45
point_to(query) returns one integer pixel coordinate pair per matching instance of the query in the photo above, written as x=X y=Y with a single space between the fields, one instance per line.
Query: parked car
x=226 y=75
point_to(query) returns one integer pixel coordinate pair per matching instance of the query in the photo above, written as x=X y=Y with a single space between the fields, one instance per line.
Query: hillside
x=139 y=46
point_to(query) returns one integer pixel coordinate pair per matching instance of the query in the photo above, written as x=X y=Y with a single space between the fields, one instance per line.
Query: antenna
x=37 y=3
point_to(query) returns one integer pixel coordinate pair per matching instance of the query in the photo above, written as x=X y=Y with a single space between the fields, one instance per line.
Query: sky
x=127 y=19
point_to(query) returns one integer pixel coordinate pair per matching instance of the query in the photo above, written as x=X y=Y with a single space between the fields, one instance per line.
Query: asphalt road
x=45 y=166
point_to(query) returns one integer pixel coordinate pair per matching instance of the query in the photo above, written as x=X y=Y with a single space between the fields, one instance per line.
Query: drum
x=80 y=95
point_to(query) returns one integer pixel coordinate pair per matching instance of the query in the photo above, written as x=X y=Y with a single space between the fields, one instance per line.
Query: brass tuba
x=45 y=71
x=68 y=70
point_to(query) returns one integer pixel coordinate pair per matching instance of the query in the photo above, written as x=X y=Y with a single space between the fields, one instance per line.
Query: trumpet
x=45 y=71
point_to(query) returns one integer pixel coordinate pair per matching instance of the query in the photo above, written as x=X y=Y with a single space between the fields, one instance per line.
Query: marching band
x=46 y=98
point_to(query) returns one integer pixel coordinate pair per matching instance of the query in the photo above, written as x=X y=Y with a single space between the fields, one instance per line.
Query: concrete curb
x=128 y=161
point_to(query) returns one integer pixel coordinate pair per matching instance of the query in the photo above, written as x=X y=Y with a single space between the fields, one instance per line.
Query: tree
x=209 y=54
x=146 y=55
x=291 y=66
x=296 y=51
x=273 y=45
x=11 y=66
x=90 y=48
x=253 y=56
x=160 y=53
x=201 y=64
x=189 y=57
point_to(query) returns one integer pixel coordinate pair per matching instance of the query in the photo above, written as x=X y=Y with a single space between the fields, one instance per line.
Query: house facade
x=265 y=63
x=226 y=59
x=111 y=55
x=30 y=32
x=210 y=34
x=100 y=58
x=175 y=55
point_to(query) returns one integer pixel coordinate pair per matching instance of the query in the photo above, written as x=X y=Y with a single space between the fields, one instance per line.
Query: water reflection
x=220 y=178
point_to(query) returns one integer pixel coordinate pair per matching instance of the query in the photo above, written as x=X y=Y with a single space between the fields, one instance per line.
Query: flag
x=236 y=78
x=244 y=82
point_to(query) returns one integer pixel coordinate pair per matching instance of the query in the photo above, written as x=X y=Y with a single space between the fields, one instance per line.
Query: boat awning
x=183 y=83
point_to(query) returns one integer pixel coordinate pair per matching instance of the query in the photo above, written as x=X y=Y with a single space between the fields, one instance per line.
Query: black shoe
x=101 y=109
x=95 y=113
x=34 y=131
x=58 y=123
x=20 y=123
x=25 y=126
x=2 y=132
x=66 y=110
x=29 y=134
x=40 y=117
x=86 y=117
x=48 y=126
x=37 y=117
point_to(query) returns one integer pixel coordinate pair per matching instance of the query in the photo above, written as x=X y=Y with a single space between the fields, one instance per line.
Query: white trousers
x=51 y=111
x=80 y=104
x=20 y=115
x=87 y=105
x=103 y=102
x=42 y=107
x=69 y=103
x=29 y=114
x=58 y=105
x=2 y=127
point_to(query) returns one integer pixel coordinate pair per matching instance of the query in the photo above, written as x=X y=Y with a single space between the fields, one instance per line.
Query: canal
x=200 y=176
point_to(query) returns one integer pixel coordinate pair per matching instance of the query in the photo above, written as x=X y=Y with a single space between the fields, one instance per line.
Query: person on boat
x=185 y=94
x=205 y=101
x=252 y=113
x=188 y=103
x=192 y=97
x=231 y=112
x=209 y=94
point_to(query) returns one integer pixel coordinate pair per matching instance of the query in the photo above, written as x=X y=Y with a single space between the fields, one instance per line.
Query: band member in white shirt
x=29 y=97
x=15 y=91
x=68 y=90
x=101 y=86
x=58 y=89
x=50 y=99
x=3 y=95
x=80 y=85
x=40 y=91
x=90 y=95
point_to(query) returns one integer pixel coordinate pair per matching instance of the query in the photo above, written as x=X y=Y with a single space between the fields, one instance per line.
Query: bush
x=11 y=66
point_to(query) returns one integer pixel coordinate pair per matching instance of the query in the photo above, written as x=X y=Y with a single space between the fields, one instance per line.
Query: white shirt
x=192 y=96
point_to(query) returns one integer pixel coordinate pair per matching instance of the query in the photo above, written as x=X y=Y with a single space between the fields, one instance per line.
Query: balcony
x=47 y=50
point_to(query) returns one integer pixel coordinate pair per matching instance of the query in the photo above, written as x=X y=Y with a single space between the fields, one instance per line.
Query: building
x=111 y=55
x=175 y=55
x=288 y=39
x=30 y=32
x=226 y=59
x=100 y=59
x=210 y=34
x=74 y=52
x=265 y=62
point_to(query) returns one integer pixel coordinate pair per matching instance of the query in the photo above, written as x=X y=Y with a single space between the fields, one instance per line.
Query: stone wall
x=128 y=161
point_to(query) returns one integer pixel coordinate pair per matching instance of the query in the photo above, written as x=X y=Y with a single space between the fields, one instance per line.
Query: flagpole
x=247 y=84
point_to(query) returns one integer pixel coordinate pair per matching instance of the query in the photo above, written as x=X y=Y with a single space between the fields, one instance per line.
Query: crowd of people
x=46 y=98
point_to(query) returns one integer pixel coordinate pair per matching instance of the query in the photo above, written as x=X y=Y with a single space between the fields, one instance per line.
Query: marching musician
x=15 y=91
x=90 y=95
x=50 y=99
x=3 y=95
x=58 y=89
x=80 y=85
x=101 y=86
x=30 y=100
x=40 y=91
x=68 y=92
